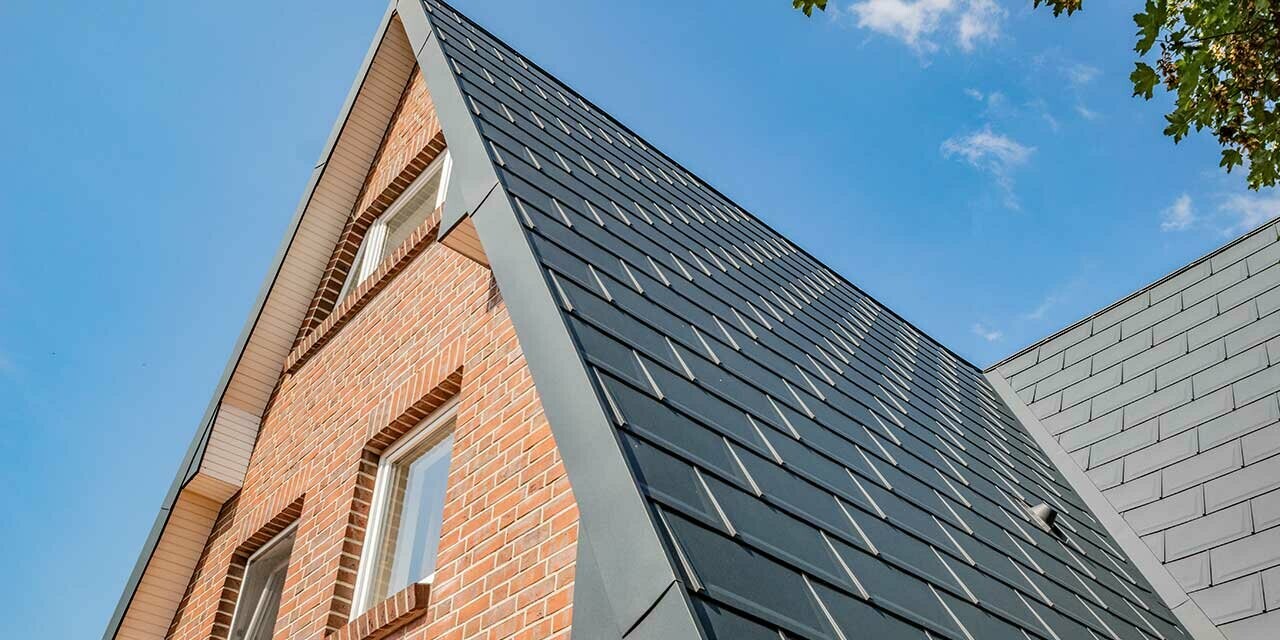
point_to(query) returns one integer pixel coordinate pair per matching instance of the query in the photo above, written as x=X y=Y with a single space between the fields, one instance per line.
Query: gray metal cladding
x=1185 y=440
x=817 y=467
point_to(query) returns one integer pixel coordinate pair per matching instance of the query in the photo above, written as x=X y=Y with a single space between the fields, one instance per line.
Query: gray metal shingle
x=1225 y=323
x=1046 y=367
x=1261 y=627
x=1264 y=259
x=1232 y=601
x=1160 y=455
x=1239 y=422
x=1145 y=319
x=1213 y=530
x=1121 y=311
x=1154 y=404
x=1197 y=360
x=1251 y=287
x=1228 y=371
x=1196 y=412
x=1254 y=334
x=1127 y=348
x=1260 y=444
x=1268 y=302
x=1242 y=249
x=1058 y=344
x=1260 y=384
x=1181 y=280
x=1255 y=479
x=1061 y=380
x=1095 y=384
x=1266 y=510
x=1135 y=493
x=1213 y=284
x=1167 y=351
x=1067 y=419
x=1191 y=572
x=1092 y=431
x=1101 y=339
x=1190 y=316
x=1271 y=587
x=1246 y=556
x=1124 y=394
x=1167 y=512
x=1124 y=443
x=1203 y=467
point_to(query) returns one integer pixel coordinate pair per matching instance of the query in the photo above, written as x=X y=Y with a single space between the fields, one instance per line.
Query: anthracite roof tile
x=816 y=465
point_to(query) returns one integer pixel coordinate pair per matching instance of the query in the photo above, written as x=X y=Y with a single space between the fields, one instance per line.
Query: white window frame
x=263 y=550
x=427 y=429
x=367 y=259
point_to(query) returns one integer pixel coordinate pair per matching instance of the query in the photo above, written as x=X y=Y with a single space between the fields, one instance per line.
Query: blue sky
x=977 y=166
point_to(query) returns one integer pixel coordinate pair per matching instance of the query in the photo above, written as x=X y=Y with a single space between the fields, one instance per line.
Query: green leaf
x=1231 y=158
x=1144 y=80
x=807 y=6
x=1059 y=6
x=1148 y=27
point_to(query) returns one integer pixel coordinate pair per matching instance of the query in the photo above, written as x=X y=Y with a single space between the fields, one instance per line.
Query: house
x=517 y=374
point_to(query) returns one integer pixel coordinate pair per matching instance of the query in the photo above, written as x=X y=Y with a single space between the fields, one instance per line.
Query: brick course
x=434 y=328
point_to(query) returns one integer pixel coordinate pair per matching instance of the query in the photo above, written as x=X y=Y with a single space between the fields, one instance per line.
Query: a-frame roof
x=757 y=446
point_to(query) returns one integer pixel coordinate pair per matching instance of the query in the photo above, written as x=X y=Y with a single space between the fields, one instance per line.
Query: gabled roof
x=756 y=445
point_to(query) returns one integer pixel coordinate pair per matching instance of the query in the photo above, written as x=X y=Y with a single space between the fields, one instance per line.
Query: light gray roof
x=1168 y=398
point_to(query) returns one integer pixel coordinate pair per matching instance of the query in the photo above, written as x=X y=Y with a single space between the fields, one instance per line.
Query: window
x=259 y=601
x=390 y=230
x=408 y=510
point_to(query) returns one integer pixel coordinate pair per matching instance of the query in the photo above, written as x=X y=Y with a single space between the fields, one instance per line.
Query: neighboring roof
x=1168 y=398
x=771 y=448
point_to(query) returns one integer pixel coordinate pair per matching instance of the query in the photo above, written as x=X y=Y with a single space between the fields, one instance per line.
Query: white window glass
x=259 y=600
x=393 y=227
x=407 y=515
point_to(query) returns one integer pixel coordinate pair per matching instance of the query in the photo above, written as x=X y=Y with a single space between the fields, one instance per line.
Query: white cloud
x=1045 y=305
x=988 y=334
x=918 y=23
x=979 y=22
x=1178 y=216
x=1080 y=75
x=1086 y=112
x=994 y=153
x=1244 y=212
x=1039 y=106
x=975 y=94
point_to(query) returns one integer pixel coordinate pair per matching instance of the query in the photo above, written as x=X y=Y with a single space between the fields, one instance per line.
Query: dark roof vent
x=1043 y=516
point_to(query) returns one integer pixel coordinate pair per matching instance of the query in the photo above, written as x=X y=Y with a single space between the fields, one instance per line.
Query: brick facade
x=431 y=327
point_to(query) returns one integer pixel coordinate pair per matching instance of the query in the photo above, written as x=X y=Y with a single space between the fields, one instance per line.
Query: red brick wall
x=412 y=141
x=437 y=329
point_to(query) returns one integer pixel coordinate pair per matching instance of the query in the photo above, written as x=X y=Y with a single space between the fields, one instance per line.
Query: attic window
x=259 y=600
x=394 y=226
